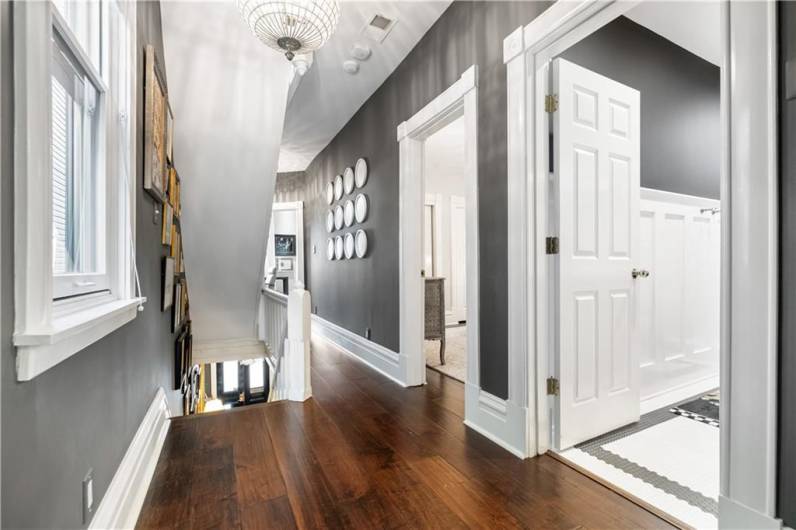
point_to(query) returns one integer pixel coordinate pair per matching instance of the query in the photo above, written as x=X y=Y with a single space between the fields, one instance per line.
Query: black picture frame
x=284 y=245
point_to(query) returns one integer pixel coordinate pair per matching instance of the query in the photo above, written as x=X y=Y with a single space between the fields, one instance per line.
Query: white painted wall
x=228 y=93
x=677 y=307
x=445 y=191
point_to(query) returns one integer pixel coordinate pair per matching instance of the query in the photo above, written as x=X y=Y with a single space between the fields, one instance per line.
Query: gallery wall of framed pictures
x=163 y=183
x=348 y=207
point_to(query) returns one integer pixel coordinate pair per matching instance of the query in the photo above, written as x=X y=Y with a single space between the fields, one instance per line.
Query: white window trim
x=46 y=333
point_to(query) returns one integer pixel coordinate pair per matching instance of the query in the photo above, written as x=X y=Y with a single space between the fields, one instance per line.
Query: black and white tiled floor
x=669 y=459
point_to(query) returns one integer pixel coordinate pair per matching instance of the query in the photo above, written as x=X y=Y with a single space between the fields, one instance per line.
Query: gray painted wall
x=681 y=155
x=83 y=412
x=680 y=128
x=786 y=490
x=362 y=294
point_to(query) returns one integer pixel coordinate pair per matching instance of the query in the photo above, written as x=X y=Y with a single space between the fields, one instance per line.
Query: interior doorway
x=426 y=262
x=284 y=258
x=445 y=251
x=635 y=299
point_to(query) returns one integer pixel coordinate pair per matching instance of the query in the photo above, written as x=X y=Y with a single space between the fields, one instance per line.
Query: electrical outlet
x=315 y=310
x=367 y=333
x=88 y=496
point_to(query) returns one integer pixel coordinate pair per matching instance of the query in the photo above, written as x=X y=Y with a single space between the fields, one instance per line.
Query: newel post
x=297 y=345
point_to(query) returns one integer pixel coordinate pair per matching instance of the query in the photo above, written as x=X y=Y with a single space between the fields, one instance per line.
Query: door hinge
x=551 y=245
x=552 y=386
x=550 y=103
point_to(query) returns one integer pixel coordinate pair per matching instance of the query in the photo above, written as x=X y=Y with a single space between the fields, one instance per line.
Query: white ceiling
x=693 y=25
x=327 y=96
x=228 y=94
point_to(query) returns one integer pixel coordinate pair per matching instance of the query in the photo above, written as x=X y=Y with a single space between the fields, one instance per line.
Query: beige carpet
x=455 y=353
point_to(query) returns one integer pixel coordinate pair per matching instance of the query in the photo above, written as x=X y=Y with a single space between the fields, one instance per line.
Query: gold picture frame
x=156 y=107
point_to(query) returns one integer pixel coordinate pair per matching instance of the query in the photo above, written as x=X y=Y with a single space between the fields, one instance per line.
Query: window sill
x=40 y=351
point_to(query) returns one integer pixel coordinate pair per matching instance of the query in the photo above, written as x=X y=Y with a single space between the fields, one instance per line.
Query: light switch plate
x=88 y=496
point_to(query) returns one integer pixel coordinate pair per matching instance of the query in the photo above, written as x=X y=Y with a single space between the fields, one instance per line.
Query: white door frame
x=298 y=209
x=460 y=99
x=749 y=256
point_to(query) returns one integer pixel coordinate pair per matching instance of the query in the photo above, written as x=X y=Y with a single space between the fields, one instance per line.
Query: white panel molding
x=125 y=495
x=383 y=360
x=677 y=307
x=216 y=351
x=500 y=420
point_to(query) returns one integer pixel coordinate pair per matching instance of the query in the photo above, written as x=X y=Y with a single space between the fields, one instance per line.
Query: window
x=242 y=382
x=74 y=211
x=78 y=204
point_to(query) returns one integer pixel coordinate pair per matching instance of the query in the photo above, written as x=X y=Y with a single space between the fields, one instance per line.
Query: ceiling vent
x=378 y=27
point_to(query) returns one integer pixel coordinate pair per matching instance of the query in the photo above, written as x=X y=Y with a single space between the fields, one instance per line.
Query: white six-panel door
x=596 y=176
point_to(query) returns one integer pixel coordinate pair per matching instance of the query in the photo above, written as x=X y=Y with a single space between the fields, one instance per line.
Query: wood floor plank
x=365 y=453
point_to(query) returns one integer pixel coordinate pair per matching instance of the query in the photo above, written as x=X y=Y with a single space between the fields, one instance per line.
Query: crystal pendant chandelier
x=291 y=26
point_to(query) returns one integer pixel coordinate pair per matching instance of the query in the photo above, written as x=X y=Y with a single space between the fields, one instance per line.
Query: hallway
x=364 y=453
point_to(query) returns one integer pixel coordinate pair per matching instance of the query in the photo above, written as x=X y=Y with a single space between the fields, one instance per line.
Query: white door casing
x=596 y=149
x=458 y=260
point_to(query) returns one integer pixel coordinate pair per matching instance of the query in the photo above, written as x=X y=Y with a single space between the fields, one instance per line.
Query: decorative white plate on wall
x=329 y=221
x=329 y=193
x=361 y=243
x=348 y=212
x=338 y=217
x=349 y=245
x=338 y=247
x=348 y=180
x=361 y=207
x=338 y=187
x=330 y=249
x=361 y=173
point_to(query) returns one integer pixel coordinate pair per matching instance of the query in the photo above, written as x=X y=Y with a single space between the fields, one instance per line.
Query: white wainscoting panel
x=677 y=307
x=500 y=420
x=124 y=497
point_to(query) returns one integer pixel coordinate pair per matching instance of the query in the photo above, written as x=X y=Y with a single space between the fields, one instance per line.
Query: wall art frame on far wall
x=167 y=283
x=284 y=245
x=156 y=109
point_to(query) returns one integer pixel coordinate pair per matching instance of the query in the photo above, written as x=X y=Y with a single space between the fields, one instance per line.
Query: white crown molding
x=122 y=502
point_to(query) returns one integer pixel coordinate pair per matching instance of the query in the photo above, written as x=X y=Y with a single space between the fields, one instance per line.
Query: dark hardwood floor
x=365 y=453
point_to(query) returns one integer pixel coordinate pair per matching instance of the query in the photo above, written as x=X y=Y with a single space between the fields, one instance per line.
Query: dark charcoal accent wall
x=786 y=473
x=680 y=128
x=362 y=294
x=83 y=412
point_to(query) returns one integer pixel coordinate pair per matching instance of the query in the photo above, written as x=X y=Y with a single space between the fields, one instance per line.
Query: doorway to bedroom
x=635 y=130
x=444 y=252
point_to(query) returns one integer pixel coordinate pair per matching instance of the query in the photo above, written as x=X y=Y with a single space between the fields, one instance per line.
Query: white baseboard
x=500 y=420
x=376 y=356
x=122 y=501
x=736 y=516
x=670 y=397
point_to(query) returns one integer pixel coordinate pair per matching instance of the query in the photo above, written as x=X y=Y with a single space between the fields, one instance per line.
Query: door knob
x=639 y=273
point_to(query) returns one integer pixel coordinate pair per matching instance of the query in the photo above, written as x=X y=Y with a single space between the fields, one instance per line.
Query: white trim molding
x=500 y=420
x=218 y=351
x=457 y=101
x=383 y=360
x=46 y=332
x=749 y=198
x=736 y=516
x=37 y=352
x=125 y=495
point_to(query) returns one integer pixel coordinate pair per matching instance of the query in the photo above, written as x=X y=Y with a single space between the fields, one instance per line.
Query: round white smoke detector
x=351 y=67
x=360 y=52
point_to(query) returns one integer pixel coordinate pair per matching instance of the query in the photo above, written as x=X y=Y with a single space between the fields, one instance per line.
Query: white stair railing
x=284 y=323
